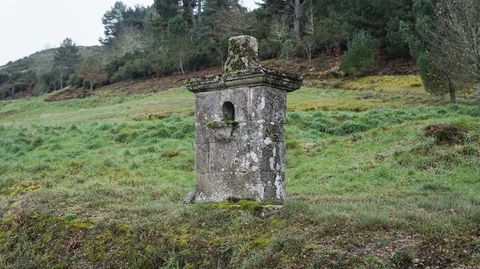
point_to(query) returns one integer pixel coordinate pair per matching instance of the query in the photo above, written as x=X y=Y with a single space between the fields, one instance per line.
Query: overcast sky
x=27 y=26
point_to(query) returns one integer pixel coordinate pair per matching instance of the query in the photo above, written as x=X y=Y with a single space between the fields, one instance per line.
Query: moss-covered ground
x=99 y=183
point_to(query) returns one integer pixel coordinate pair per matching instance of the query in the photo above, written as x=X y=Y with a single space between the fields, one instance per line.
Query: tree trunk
x=188 y=11
x=194 y=21
x=308 y=51
x=310 y=62
x=296 y=18
x=199 y=14
x=477 y=95
x=181 y=66
x=91 y=87
x=453 y=93
x=221 y=58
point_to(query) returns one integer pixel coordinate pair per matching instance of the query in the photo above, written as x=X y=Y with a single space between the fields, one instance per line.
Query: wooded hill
x=35 y=74
x=173 y=36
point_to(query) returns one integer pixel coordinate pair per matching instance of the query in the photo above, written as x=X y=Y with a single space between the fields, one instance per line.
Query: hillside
x=31 y=75
x=40 y=61
x=99 y=183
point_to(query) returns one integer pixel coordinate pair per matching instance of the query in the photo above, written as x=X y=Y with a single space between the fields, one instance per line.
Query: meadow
x=99 y=183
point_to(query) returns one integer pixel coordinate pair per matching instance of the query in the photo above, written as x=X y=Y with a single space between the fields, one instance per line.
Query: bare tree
x=280 y=34
x=308 y=40
x=232 y=22
x=92 y=72
x=128 y=40
x=454 y=42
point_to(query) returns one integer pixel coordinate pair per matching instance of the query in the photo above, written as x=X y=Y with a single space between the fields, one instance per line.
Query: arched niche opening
x=228 y=111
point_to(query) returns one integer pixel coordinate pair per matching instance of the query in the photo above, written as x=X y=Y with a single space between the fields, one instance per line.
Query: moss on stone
x=232 y=123
x=221 y=124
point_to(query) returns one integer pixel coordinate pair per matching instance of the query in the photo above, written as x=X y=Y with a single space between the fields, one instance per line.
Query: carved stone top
x=261 y=77
x=243 y=69
x=242 y=54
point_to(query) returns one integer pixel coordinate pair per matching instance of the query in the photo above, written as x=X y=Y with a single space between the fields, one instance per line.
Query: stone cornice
x=260 y=77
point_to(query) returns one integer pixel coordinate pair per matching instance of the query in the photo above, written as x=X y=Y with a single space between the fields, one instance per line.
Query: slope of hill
x=318 y=76
x=29 y=76
x=39 y=61
x=99 y=182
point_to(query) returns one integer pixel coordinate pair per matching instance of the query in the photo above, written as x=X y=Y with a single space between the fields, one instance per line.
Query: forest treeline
x=177 y=36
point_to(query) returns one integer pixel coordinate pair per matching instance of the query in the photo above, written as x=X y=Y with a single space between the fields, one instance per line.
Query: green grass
x=99 y=183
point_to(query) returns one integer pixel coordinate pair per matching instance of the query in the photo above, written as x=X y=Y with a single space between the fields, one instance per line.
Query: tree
x=120 y=18
x=4 y=77
x=188 y=15
x=381 y=19
x=166 y=10
x=361 y=57
x=66 y=59
x=290 y=8
x=330 y=30
x=129 y=40
x=297 y=17
x=453 y=42
x=234 y=21
x=179 y=41
x=276 y=7
x=112 y=22
x=228 y=23
x=92 y=72
x=308 y=40
x=17 y=82
x=281 y=36
x=436 y=77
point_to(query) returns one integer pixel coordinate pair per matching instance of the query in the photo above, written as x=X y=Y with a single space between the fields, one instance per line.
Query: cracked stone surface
x=243 y=158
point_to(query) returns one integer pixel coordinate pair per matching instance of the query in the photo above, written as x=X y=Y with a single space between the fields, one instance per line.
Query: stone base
x=256 y=186
x=264 y=210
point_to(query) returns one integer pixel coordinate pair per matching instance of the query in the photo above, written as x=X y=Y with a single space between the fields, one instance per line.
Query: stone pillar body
x=239 y=125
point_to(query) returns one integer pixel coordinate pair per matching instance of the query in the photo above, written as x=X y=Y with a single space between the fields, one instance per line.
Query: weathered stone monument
x=240 y=115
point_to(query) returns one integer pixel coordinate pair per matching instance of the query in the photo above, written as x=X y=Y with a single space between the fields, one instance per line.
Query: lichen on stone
x=242 y=54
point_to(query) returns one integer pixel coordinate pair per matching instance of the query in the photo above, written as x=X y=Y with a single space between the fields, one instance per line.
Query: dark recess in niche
x=228 y=111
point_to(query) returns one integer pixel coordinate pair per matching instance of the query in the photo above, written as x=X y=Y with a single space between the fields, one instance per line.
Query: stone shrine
x=240 y=140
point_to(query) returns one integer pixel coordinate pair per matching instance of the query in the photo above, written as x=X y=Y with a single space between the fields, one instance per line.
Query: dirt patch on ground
x=313 y=75
x=445 y=133
x=147 y=85
x=70 y=93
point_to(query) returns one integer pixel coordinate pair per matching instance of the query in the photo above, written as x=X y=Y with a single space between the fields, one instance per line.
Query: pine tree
x=361 y=57
x=112 y=22
x=167 y=10
x=66 y=58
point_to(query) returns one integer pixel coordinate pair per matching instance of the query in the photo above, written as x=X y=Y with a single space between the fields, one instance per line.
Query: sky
x=28 y=26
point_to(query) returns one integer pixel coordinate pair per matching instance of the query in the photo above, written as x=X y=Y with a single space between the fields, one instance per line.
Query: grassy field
x=99 y=183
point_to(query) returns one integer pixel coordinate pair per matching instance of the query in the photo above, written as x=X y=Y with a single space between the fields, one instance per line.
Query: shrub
x=138 y=68
x=445 y=133
x=350 y=127
x=433 y=81
x=475 y=217
x=403 y=258
x=361 y=57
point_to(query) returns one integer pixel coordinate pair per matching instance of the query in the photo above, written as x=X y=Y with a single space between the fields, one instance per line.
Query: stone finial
x=242 y=54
